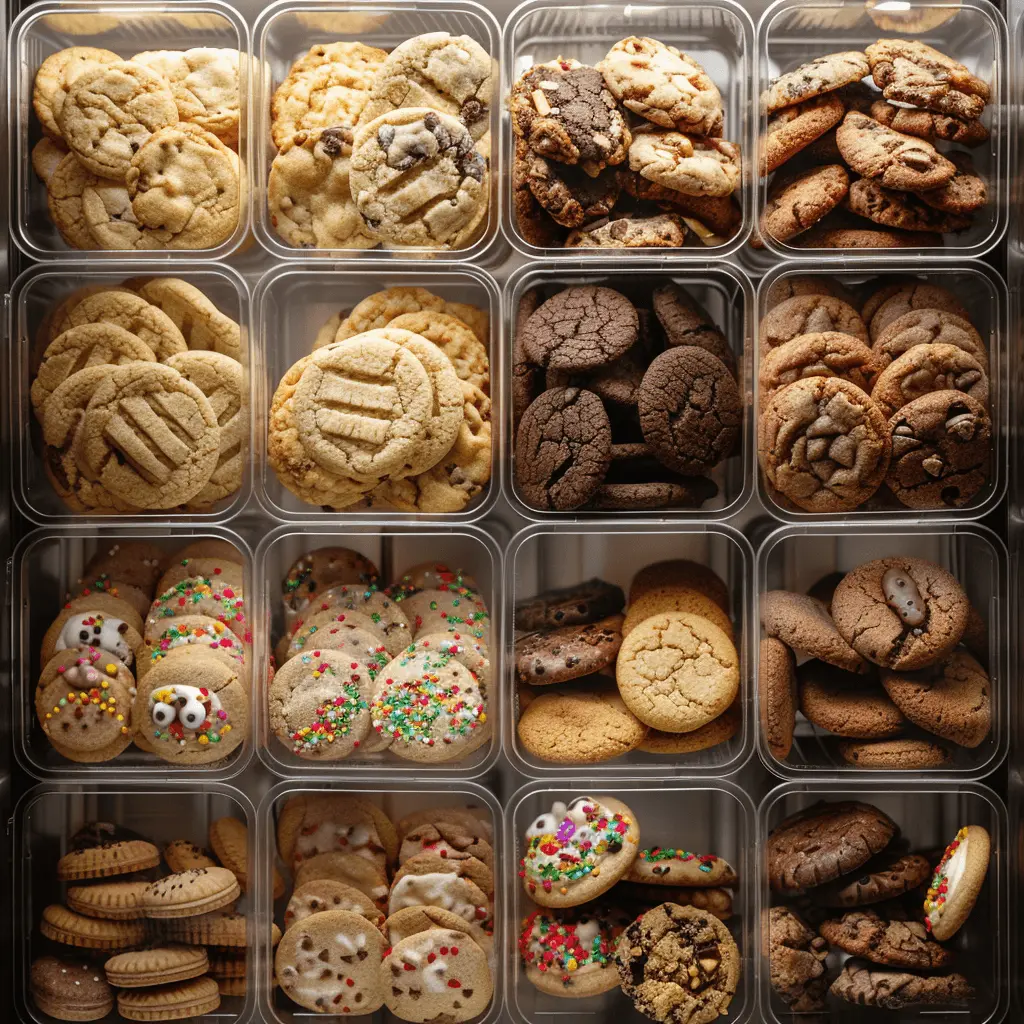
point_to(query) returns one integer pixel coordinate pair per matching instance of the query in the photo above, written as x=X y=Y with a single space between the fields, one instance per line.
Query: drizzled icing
x=94 y=629
x=947 y=875
x=328 y=835
x=568 y=946
x=180 y=713
x=443 y=889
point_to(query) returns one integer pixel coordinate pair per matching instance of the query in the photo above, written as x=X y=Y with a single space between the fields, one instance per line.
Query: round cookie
x=330 y=962
x=159 y=965
x=189 y=893
x=846 y=704
x=914 y=296
x=796 y=203
x=568 y=195
x=882 y=878
x=315 y=823
x=578 y=851
x=675 y=598
x=928 y=327
x=679 y=963
x=335 y=630
x=950 y=699
x=824 y=354
x=838 y=233
x=136 y=562
x=962 y=195
x=824 y=841
x=68 y=990
x=218 y=596
x=821 y=75
x=810 y=314
x=446 y=836
x=956 y=883
x=138 y=599
x=689 y=164
x=866 y=985
x=686 y=322
x=690 y=409
x=380 y=308
x=802 y=623
x=927 y=368
x=166 y=638
x=568 y=653
x=579 y=726
x=221 y=571
x=94 y=622
x=927 y=124
x=320 y=569
x=366 y=601
x=115 y=901
x=796 y=961
x=777 y=696
x=718 y=730
x=790 y=285
x=893 y=943
x=182 y=855
x=660 y=231
x=901 y=613
x=324 y=894
x=562 y=449
x=844 y=460
x=680 y=572
x=58 y=924
x=204 y=327
x=900 y=210
x=677 y=671
x=671 y=866
x=467 y=354
x=906 y=754
x=941 y=451
x=116 y=857
x=56 y=75
x=446 y=891
x=795 y=127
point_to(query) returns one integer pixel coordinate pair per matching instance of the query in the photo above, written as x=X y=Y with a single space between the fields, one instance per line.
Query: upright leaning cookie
x=957 y=880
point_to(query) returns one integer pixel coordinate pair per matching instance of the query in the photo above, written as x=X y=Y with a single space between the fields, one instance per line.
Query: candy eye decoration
x=182 y=713
x=192 y=714
x=163 y=714
x=545 y=824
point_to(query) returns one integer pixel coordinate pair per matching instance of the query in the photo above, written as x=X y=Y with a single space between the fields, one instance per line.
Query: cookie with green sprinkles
x=664 y=865
x=956 y=882
x=367 y=599
x=318 y=703
x=471 y=654
x=212 y=596
x=320 y=569
x=430 y=576
x=222 y=570
x=165 y=637
x=337 y=630
x=449 y=608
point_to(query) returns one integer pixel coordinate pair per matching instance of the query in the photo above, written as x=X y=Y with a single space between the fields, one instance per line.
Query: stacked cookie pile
x=378 y=148
x=845 y=883
x=149 y=650
x=140 y=153
x=386 y=914
x=141 y=397
x=366 y=669
x=596 y=684
x=606 y=914
x=863 y=168
x=620 y=402
x=882 y=400
x=627 y=154
x=894 y=664
x=160 y=932
x=391 y=411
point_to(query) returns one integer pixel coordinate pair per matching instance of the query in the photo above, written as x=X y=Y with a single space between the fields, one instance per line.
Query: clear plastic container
x=793 y=32
x=983 y=293
x=393 y=549
x=396 y=799
x=125 y=29
x=45 y=819
x=702 y=816
x=929 y=816
x=44 y=568
x=719 y=35
x=293 y=302
x=285 y=30
x=544 y=556
x=727 y=295
x=34 y=297
x=795 y=557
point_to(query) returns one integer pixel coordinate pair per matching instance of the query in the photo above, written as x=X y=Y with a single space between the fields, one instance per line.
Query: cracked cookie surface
x=893 y=943
x=924 y=369
x=796 y=961
x=821 y=75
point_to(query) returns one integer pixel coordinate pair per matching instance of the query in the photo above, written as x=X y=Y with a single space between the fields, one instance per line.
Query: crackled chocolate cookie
x=825 y=354
x=568 y=653
x=794 y=128
x=821 y=75
x=796 y=203
x=890 y=874
x=618 y=381
x=893 y=943
x=897 y=161
x=796 y=961
x=810 y=314
x=900 y=612
x=864 y=985
x=924 y=369
x=824 y=444
x=686 y=322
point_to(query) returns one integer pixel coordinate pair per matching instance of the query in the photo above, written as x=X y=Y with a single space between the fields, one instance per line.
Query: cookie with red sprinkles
x=448 y=608
x=956 y=882
x=165 y=637
x=669 y=865
x=212 y=596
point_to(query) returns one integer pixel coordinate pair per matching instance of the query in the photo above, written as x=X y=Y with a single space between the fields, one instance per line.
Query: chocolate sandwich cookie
x=796 y=961
x=802 y=623
x=574 y=605
x=846 y=704
x=568 y=653
x=777 y=696
x=893 y=943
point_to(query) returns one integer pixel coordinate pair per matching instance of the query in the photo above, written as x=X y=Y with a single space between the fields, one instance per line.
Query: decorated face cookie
x=96 y=630
x=181 y=709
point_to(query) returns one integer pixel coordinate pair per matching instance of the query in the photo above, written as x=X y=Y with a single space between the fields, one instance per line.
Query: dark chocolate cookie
x=567 y=653
x=796 y=961
x=563 y=449
x=865 y=985
x=581 y=328
x=884 y=877
x=526 y=378
x=690 y=409
x=686 y=322
x=643 y=495
x=535 y=226
x=893 y=943
x=575 y=605
x=617 y=381
x=570 y=196
x=820 y=843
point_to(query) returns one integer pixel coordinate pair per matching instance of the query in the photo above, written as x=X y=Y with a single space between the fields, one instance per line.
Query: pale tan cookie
x=348 y=868
x=183 y=855
x=221 y=928
x=821 y=75
x=380 y=308
x=115 y=901
x=313 y=823
x=203 y=326
x=453 y=862
x=229 y=840
x=190 y=893
x=325 y=894
x=388 y=615
x=225 y=569
x=456 y=340
x=64 y=190
x=55 y=76
x=99 y=620
x=59 y=924
x=133 y=313
x=193 y=998
x=443 y=889
x=412 y=920
x=111 y=111
x=109 y=216
x=159 y=965
x=718 y=730
x=47 y=155
x=693 y=165
x=675 y=598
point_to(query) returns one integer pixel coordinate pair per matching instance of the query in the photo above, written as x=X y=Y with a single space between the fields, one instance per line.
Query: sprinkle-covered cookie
x=667 y=865
x=956 y=882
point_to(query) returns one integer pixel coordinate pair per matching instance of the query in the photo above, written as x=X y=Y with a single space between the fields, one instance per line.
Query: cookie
x=686 y=322
x=846 y=704
x=68 y=990
x=56 y=75
x=898 y=754
x=451 y=608
x=964 y=193
x=675 y=598
x=368 y=602
x=138 y=563
x=794 y=128
x=677 y=671
x=836 y=233
x=58 y=924
x=893 y=943
x=678 y=963
x=928 y=327
x=229 y=840
x=467 y=354
x=897 y=161
x=578 y=851
x=884 y=877
x=565 y=112
x=568 y=653
x=824 y=444
x=164 y=640
x=903 y=210
x=452 y=74
x=447 y=834
x=446 y=891
x=824 y=841
x=404 y=163
x=660 y=231
x=114 y=901
x=100 y=621
x=663 y=85
x=567 y=194
x=864 y=985
x=927 y=124
x=670 y=866
x=909 y=71
x=158 y=965
x=106 y=859
x=680 y=572
x=204 y=327
x=821 y=75
x=810 y=314
x=576 y=604
x=324 y=894
x=913 y=296
x=46 y=157
x=802 y=623
x=380 y=308
x=692 y=165
x=193 y=998
x=222 y=928
x=796 y=203
x=777 y=696
x=183 y=855
x=315 y=823
x=956 y=882
x=190 y=893
x=796 y=961
x=822 y=354
x=321 y=569
x=562 y=449
x=950 y=699
x=901 y=613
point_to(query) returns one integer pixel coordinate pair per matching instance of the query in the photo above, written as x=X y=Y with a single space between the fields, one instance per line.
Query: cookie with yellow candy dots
x=164 y=638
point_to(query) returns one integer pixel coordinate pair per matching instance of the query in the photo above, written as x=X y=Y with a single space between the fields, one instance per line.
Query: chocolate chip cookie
x=846 y=704
x=963 y=194
x=569 y=606
x=569 y=652
x=941 y=451
x=686 y=322
x=563 y=449
x=810 y=314
x=794 y=128
x=926 y=124
x=927 y=368
x=821 y=75
x=927 y=327
x=895 y=209
x=796 y=961
x=802 y=623
x=893 y=943
x=796 y=203
x=825 y=354
x=660 y=231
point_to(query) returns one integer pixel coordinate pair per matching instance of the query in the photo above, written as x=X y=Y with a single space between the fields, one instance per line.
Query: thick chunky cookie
x=534 y=225
x=893 y=943
x=890 y=874
x=928 y=327
x=924 y=369
x=824 y=444
x=712 y=218
x=565 y=112
x=569 y=652
x=865 y=985
x=315 y=823
x=927 y=124
x=902 y=210
x=810 y=314
x=55 y=77
x=897 y=161
x=65 y=188
x=693 y=165
x=679 y=964
x=957 y=881
x=796 y=961
x=822 y=842
x=823 y=354
x=906 y=754
x=963 y=194
x=794 y=128
x=797 y=203
x=569 y=195
x=568 y=606
x=660 y=231
x=686 y=322
x=821 y=75
x=846 y=704
x=777 y=696
x=802 y=623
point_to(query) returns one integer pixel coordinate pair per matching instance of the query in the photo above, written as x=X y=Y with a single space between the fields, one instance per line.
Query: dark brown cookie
x=900 y=612
x=526 y=378
x=810 y=314
x=905 y=754
x=926 y=124
x=928 y=327
x=846 y=704
x=686 y=322
x=794 y=128
x=964 y=193
x=574 y=605
x=617 y=381
x=822 y=842
x=823 y=151
x=642 y=495
x=802 y=623
x=914 y=295
x=823 y=589
x=893 y=943
x=563 y=449
x=797 y=202
x=796 y=961
x=568 y=195
x=864 y=985
x=941 y=451
x=824 y=444
x=581 y=328
x=558 y=655
x=826 y=354
x=776 y=696
x=903 y=210
x=721 y=214
x=927 y=368
x=690 y=409
x=534 y=225
x=884 y=877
